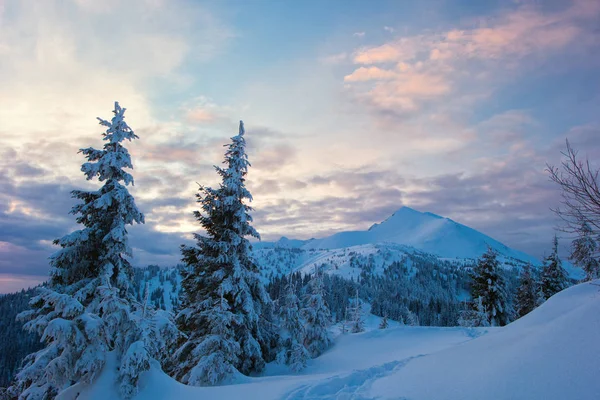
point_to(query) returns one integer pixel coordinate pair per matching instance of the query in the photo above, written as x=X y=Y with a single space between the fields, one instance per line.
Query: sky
x=352 y=109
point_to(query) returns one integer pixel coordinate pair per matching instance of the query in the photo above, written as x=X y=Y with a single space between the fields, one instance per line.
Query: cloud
x=359 y=34
x=507 y=127
x=203 y=110
x=382 y=54
x=200 y=115
x=469 y=61
x=369 y=74
x=407 y=91
x=502 y=200
x=10 y=283
x=524 y=30
x=64 y=63
x=389 y=29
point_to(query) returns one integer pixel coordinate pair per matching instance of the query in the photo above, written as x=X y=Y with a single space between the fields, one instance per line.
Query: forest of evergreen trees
x=15 y=343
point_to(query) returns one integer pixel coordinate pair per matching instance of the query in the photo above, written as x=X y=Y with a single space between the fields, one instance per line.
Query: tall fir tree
x=317 y=316
x=490 y=285
x=87 y=310
x=292 y=351
x=584 y=251
x=526 y=299
x=220 y=270
x=554 y=277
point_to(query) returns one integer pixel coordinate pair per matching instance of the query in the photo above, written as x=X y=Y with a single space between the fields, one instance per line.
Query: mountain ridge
x=423 y=231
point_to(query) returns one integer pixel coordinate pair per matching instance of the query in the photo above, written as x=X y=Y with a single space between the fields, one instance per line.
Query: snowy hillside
x=552 y=353
x=407 y=232
x=424 y=231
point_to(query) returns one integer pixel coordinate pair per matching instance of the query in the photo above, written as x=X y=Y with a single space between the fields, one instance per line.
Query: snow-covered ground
x=552 y=353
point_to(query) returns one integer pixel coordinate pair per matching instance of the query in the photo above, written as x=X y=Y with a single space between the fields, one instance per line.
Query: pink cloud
x=10 y=283
x=408 y=87
x=200 y=115
x=429 y=66
x=525 y=30
x=380 y=54
x=368 y=74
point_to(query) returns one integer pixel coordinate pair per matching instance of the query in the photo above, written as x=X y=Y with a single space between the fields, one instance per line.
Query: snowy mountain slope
x=346 y=262
x=404 y=233
x=424 y=231
x=407 y=231
x=552 y=353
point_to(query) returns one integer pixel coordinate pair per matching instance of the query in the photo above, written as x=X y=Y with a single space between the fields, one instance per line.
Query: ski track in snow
x=352 y=386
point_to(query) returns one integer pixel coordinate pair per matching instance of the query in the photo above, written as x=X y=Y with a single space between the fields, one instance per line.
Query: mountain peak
x=425 y=231
x=406 y=210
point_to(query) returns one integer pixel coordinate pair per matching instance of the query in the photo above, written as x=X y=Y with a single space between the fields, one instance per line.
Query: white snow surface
x=424 y=231
x=406 y=231
x=552 y=353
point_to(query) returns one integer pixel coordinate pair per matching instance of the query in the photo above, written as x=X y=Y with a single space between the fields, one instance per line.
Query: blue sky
x=352 y=108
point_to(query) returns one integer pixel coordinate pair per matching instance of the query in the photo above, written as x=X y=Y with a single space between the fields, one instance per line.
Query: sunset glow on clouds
x=438 y=105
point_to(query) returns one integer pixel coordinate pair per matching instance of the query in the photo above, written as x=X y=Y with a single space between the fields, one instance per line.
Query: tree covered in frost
x=474 y=316
x=87 y=309
x=384 y=323
x=358 y=324
x=317 y=317
x=554 y=277
x=489 y=285
x=220 y=271
x=527 y=292
x=584 y=252
x=412 y=319
x=292 y=351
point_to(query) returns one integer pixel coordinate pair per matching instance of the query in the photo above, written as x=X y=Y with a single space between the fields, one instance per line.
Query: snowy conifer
x=384 y=323
x=344 y=322
x=221 y=266
x=554 y=277
x=526 y=293
x=475 y=316
x=412 y=319
x=87 y=309
x=358 y=325
x=293 y=352
x=583 y=253
x=317 y=316
x=490 y=285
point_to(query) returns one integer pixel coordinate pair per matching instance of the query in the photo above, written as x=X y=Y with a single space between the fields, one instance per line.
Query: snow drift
x=552 y=353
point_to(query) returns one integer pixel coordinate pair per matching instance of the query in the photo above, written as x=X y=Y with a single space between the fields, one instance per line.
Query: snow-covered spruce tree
x=344 y=322
x=526 y=299
x=412 y=319
x=384 y=323
x=220 y=270
x=317 y=316
x=87 y=308
x=554 y=277
x=584 y=253
x=292 y=351
x=475 y=316
x=358 y=325
x=490 y=285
